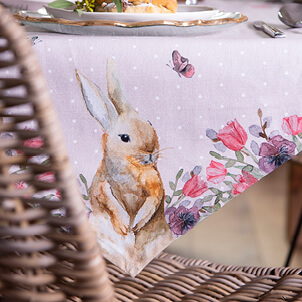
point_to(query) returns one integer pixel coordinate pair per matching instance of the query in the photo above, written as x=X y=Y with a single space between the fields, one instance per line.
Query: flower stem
x=173 y=193
x=180 y=198
x=251 y=155
x=20 y=170
x=297 y=142
x=262 y=126
x=232 y=175
x=237 y=161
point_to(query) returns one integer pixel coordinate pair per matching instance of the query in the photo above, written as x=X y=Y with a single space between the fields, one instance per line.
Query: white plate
x=43 y=21
x=184 y=13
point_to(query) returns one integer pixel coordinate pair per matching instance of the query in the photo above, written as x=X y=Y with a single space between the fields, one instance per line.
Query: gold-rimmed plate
x=218 y=21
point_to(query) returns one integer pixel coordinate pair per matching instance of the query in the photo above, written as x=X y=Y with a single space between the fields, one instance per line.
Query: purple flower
x=275 y=152
x=181 y=220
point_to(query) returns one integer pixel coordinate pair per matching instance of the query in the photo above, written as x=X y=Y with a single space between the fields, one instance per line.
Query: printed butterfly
x=181 y=65
x=34 y=40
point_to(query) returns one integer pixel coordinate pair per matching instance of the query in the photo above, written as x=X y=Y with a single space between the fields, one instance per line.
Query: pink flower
x=36 y=142
x=216 y=172
x=244 y=181
x=58 y=194
x=194 y=187
x=21 y=185
x=47 y=177
x=233 y=136
x=292 y=125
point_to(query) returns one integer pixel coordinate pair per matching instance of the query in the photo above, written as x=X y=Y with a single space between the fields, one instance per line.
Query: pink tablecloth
x=234 y=121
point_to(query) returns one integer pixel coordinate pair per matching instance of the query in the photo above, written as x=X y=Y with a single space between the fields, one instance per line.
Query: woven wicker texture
x=47 y=251
x=172 y=278
x=49 y=257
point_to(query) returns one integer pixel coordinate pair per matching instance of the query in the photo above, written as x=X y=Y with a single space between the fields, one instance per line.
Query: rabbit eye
x=124 y=137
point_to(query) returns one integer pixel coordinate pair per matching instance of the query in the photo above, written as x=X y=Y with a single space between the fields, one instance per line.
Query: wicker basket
x=47 y=250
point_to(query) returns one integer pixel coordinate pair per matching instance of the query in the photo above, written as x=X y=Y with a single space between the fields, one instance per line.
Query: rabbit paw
x=143 y=216
x=121 y=229
x=137 y=228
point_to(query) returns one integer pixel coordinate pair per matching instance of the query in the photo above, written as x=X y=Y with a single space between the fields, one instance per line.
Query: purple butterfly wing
x=181 y=65
x=188 y=71
x=179 y=62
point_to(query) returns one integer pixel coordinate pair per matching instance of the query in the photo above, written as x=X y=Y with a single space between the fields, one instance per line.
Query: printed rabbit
x=126 y=194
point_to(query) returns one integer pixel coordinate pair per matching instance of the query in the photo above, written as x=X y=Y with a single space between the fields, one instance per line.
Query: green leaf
x=215 y=191
x=217 y=200
x=22 y=168
x=209 y=209
x=295 y=139
x=119 y=5
x=257 y=174
x=216 y=155
x=168 y=199
x=230 y=195
x=207 y=198
x=172 y=185
x=300 y=135
x=60 y=4
x=178 y=176
x=83 y=179
x=228 y=183
x=45 y=162
x=224 y=199
x=177 y=193
x=239 y=156
x=248 y=168
x=57 y=215
x=230 y=163
x=217 y=206
x=79 y=11
x=85 y=197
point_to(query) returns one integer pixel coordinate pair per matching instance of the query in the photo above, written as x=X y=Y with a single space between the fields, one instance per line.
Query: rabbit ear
x=97 y=103
x=116 y=89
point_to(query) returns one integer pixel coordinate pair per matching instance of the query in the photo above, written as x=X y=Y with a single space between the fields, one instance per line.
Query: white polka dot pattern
x=234 y=77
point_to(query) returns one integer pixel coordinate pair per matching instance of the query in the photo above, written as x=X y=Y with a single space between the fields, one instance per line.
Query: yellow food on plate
x=139 y=6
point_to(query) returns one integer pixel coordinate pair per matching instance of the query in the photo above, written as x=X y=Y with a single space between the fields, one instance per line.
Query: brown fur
x=126 y=193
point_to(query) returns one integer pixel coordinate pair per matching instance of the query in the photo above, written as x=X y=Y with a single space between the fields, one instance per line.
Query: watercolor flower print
x=235 y=167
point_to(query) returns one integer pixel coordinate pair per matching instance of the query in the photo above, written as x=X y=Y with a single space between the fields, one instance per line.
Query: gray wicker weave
x=49 y=257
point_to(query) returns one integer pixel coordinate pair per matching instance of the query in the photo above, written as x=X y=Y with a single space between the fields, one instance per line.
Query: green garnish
x=60 y=4
x=83 y=5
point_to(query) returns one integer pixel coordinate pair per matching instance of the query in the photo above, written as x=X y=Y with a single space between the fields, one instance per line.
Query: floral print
x=243 y=182
x=292 y=125
x=47 y=177
x=36 y=142
x=242 y=156
x=58 y=194
x=181 y=219
x=240 y=162
x=216 y=172
x=21 y=185
x=194 y=187
x=233 y=136
x=275 y=152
